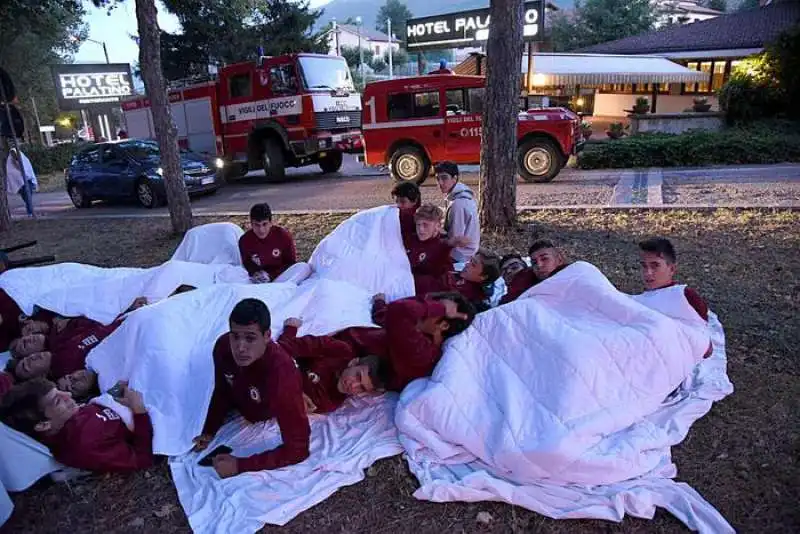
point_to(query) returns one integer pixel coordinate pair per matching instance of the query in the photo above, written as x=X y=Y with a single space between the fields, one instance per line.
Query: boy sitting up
x=416 y=328
x=88 y=437
x=258 y=378
x=659 y=265
x=266 y=249
x=408 y=198
x=428 y=253
x=461 y=217
x=331 y=369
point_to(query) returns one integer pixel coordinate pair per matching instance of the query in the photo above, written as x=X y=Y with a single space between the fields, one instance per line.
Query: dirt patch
x=753 y=194
x=742 y=457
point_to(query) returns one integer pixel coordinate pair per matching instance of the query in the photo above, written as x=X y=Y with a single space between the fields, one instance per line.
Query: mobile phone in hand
x=207 y=460
x=116 y=391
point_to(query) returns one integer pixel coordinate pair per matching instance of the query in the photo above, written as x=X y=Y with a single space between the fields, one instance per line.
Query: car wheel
x=273 y=161
x=332 y=162
x=79 y=197
x=409 y=164
x=146 y=194
x=539 y=160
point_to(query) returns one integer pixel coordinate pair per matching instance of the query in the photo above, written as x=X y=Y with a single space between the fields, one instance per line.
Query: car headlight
x=219 y=163
x=160 y=171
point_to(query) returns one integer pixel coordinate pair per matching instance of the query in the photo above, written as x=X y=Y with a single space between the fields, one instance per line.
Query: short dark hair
x=491 y=266
x=251 y=311
x=261 y=212
x=509 y=257
x=447 y=167
x=21 y=407
x=661 y=246
x=464 y=306
x=539 y=245
x=408 y=190
x=379 y=370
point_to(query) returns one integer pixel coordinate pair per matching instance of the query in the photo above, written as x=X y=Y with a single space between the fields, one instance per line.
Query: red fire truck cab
x=285 y=111
x=412 y=123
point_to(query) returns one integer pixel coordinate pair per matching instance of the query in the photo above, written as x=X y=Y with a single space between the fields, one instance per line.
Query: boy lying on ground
x=659 y=265
x=258 y=378
x=414 y=330
x=88 y=437
x=547 y=260
x=267 y=250
x=331 y=369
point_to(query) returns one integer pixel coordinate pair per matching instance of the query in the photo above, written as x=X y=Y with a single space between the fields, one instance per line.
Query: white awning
x=596 y=69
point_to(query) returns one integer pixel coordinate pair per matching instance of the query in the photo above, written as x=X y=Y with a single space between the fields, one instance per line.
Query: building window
x=413 y=105
x=718 y=78
x=240 y=86
x=705 y=67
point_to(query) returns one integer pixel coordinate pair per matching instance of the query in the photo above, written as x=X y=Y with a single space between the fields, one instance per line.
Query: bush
x=759 y=144
x=745 y=99
x=46 y=160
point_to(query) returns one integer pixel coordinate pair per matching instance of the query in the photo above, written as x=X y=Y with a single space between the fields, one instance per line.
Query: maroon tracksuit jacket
x=9 y=327
x=274 y=254
x=72 y=345
x=522 y=281
x=6 y=383
x=269 y=387
x=430 y=262
x=97 y=439
x=322 y=360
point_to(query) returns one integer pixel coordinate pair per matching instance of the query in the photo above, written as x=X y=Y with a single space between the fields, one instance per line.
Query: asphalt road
x=359 y=187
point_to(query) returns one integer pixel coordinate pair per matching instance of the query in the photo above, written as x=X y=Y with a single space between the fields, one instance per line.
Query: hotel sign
x=85 y=86
x=468 y=28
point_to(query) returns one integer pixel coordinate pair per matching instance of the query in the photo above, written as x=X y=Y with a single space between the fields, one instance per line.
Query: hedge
x=46 y=160
x=757 y=144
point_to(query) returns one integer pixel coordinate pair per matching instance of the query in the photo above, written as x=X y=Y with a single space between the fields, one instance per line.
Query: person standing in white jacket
x=16 y=182
x=461 y=215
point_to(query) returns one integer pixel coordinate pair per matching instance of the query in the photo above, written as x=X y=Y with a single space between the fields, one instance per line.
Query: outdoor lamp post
x=360 y=52
x=76 y=39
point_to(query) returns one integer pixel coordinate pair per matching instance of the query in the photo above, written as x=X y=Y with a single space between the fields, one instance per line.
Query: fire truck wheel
x=331 y=162
x=539 y=160
x=273 y=159
x=409 y=164
x=79 y=197
x=146 y=194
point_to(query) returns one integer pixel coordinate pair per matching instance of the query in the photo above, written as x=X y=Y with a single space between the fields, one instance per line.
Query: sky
x=114 y=30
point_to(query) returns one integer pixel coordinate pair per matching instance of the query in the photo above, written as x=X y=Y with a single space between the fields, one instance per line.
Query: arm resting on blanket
x=313 y=347
x=412 y=353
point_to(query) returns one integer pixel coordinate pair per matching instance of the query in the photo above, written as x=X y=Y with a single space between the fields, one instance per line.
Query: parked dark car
x=131 y=169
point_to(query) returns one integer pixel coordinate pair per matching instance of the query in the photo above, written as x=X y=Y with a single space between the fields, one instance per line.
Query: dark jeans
x=26 y=192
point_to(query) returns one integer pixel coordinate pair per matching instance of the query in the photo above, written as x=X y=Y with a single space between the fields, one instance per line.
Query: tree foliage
x=599 y=21
x=219 y=32
x=398 y=13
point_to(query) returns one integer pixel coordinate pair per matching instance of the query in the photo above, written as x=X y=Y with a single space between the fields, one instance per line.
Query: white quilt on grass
x=556 y=402
x=214 y=243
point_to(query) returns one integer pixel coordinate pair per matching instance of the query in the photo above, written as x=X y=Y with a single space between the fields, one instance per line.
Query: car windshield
x=326 y=73
x=141 y=149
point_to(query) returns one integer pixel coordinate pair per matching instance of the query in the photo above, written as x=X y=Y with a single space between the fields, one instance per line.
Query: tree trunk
x=5 y=213
x=498 y=176
x=180 y=211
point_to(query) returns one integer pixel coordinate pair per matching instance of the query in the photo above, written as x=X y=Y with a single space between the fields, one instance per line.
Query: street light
x=76 y=39
x=360 y=52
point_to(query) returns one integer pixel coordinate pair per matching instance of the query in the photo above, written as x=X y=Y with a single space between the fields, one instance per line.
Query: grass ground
x=742 y=457
x=51 y=182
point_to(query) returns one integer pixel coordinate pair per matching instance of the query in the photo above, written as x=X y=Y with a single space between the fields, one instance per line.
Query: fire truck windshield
x=329 y=73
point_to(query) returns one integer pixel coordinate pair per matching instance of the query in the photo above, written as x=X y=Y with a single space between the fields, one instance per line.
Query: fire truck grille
x=341 y=120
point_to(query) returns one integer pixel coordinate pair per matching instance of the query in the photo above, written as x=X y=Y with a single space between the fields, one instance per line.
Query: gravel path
x=756 y=194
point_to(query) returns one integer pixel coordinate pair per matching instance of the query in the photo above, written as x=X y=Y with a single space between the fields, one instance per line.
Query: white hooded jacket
x=461 y=218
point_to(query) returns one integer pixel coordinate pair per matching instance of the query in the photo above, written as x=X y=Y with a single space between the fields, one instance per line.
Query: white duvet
x=556 y=402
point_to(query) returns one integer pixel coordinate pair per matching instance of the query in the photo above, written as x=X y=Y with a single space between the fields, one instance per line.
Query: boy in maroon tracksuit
x=258 y=378
x=9 y=320
x=331 y=369
x=659 y=265
x=547 y=260
x=85 y=437
x=475 y=280
x=266 y=249
x=415 y=329
x=6 y=383
x=408 y=198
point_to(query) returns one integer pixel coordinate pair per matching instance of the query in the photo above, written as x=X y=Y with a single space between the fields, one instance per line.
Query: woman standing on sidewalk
x=16 y=182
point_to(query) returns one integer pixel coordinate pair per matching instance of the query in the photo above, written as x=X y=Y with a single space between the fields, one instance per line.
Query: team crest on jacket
x=254 y=394
x=276 y=253
x=256 y=259
x=314 y=377
x=422 y=256
x=229 y=379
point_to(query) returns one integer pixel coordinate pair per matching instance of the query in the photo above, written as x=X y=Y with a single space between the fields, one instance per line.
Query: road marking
x=655 y=179
x=623 y=191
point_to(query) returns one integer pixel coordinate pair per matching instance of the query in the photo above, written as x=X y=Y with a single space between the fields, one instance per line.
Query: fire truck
x=286 y=111
x=410 y=124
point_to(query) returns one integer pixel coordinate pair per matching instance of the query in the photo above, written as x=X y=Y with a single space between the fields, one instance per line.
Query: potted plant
x=642 y=106
x=615 y=130
x=701 y=104
x=586 y=129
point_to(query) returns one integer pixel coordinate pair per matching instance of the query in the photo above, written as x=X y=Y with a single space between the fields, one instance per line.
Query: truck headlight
x=219 y=163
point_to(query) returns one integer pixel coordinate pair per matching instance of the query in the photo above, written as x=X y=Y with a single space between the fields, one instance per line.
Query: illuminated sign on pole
x=88 y=86
x=468 y=28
